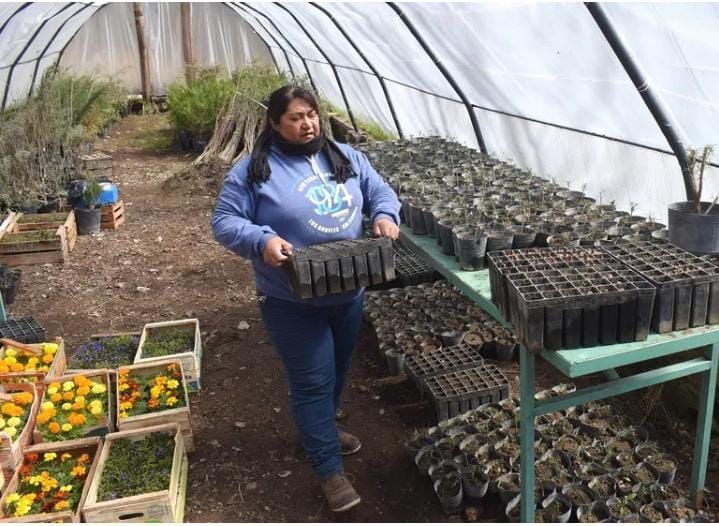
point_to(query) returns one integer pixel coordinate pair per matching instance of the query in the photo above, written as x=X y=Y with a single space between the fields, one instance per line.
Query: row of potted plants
x=472 y=203
x=428 y=317
x=592 y=465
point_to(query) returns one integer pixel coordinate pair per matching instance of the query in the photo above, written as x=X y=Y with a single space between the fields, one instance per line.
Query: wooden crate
x=45 y=222
x=105 y=424
x=112 y=216
x=179 y=415
x=96 y=165
x=191 y=361
x=11 y=450
x=15 y=252
x=91 y=446
x=160 y=506
x=57 y=368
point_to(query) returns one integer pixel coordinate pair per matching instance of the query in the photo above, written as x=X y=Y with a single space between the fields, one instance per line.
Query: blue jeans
x=315 y=344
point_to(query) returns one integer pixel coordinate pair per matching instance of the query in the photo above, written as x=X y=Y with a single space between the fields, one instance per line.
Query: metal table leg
x=704 y=426
x=526 y=432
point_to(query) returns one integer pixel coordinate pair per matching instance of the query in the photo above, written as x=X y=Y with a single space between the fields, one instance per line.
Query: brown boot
x=339 y=493
x=349 y=444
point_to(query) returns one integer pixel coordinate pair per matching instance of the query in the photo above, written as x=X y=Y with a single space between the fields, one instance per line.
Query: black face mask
x=291 y=148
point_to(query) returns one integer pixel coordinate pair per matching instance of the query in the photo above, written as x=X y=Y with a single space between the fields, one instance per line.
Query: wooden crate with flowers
x=105 y=352
x=52 y=482
x=142 y=474
x=174 y=340
x=154 y=394
x=19 y=404
x=75 y=406
x=31 y=362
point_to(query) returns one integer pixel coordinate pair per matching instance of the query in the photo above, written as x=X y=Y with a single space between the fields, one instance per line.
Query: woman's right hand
x=276 y=251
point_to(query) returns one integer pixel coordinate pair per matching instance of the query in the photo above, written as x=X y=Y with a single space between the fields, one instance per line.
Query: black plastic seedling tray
x=411 y=269
x=457 y=392
x=23 y=330
x=445 y=360
x=687 y=285
x=569 y=297
x=340 y=266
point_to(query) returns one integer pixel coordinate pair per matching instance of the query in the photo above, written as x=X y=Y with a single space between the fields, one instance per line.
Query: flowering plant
x=108 y=352
x=15 y=414
x=48 y=483
x=145 y=393
x=19 y=360
x=70 y=407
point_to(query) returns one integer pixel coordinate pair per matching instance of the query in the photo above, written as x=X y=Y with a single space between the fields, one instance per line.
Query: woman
x=298 y=188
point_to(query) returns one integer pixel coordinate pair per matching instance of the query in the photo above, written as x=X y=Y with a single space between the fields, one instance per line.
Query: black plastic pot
x=523 y=237
x=475 y=484
x=470 y=249
x=88 y=221
x=444 y=236
x=599 y=509
x=30 y=207
x=692 y=231
x=52 y=205
x=429 y=222
x=563 y=506
x=504 y=351
x=499 y=240
x=417 y=220
x=666 y=474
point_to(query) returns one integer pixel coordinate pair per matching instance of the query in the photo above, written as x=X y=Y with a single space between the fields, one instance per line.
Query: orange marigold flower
x=83 y=390
x=76 y=419
x=54 y=427
x=81 y=380
x=123 y=371
x=68 y=396
x=31 y=457
x=48 y=358
x=152 y=403
x=83 y=458
x=10 y=409
x=79 y=405
x=42 y=418
x=56 y=397
x=22 y=398
x=78 y=471
x=62 y=505
x=4 y=368
x=16 y=367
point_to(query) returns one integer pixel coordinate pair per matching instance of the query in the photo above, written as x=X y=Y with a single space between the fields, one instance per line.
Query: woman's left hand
x=385 y=228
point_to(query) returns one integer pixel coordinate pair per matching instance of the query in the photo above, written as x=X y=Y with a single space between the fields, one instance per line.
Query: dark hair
x=259 y=169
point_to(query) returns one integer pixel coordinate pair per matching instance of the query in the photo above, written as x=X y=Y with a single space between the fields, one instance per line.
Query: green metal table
x=580 y=362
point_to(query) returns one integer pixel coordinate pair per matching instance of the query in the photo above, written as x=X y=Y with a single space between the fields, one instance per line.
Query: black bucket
x=692 y=231
x=88 y=221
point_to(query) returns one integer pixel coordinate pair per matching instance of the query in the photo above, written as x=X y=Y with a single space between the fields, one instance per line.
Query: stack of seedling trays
x=687 y=286
x=410 y=268
x=462 y=356
x=456 y=392
x=569 y=297
x=340 y=266
x=23 y=330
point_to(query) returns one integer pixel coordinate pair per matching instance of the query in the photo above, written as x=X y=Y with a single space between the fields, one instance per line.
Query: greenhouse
x=359 y=261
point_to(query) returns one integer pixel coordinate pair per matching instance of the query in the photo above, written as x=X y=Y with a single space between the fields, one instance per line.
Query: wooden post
x=186 y=19
x=139 y=11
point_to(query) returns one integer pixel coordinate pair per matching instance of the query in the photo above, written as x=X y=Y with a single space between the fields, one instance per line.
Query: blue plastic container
x=109 y=194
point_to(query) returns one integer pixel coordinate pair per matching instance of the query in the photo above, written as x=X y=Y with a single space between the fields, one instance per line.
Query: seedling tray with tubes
x=457 y=392
x=687 y=285
x=340 y=266
x=569 y=297
x=445 y=360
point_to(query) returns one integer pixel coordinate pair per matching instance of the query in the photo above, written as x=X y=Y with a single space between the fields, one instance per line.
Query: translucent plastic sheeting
x=221 y=38
x=678 y=47
x=278 y=52
x=366 y=98
x=107 y=45
x=21 y=28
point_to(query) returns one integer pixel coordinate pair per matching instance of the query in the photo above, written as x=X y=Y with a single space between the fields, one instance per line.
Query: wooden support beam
x=139 y=12
x=187 y=52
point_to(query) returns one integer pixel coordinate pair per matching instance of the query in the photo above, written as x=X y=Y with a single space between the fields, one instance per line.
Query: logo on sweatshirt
x=334 y=206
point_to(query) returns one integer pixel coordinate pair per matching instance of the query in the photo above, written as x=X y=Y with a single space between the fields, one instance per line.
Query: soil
x=578 y=497
x=163 y=264
x=589 y=517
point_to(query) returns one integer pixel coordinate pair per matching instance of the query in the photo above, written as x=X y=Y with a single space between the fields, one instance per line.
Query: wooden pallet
x=113 y=216
x=44 y=222
x=96 y=165
x=14 y=251
x=8 y=223
x=91 y=446
x=179 y=415
x=191 y=361
x=160 y=506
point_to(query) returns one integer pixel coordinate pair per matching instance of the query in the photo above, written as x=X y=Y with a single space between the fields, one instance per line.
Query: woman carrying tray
x=299 y=188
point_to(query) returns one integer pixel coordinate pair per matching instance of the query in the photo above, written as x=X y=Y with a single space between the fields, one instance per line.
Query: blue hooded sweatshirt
x=301 y=204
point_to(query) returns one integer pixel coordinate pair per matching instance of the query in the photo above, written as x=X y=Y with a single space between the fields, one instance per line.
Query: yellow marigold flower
x=23 y=508
x=11 y=352
x=44 y=369
x=99 y=388
x=30 y=497
x=123 y=414
x=13 y=497
x=66 y=427
x=50 y=348
x=30 y=368
x=68 y=386
x=2 y=423
x=33 y=360
x=125 y=405
x=66 y=406
x=124 y=386
x=65 y=456
x=13 y=422
x=10 y=360
x=11 y=431
x=67 y=488
x=171 y=401
x=156 y=391
x=160 y=380
x=55 y=385
x=47 y=457
x=80 y=399
x=47 y=405
x=52 y=390
x=62 y=505
x=173 y=384
x=47 y=358
x=96 y=410
x=78 y=471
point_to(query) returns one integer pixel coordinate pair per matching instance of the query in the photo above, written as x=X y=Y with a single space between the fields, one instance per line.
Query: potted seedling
x=89 y=219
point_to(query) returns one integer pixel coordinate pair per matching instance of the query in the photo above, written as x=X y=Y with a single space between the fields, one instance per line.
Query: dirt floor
x=162 y=264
